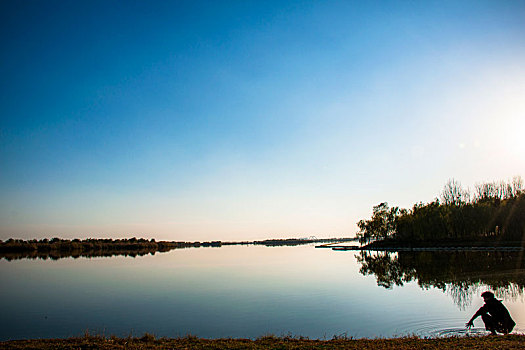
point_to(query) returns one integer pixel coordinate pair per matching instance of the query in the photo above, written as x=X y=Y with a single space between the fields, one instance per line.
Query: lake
x=251 y=291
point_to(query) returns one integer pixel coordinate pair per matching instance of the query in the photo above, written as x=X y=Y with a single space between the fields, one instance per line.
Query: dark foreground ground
x=270 y=342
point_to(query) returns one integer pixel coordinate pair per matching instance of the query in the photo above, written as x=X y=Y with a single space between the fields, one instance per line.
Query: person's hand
x=469 y=324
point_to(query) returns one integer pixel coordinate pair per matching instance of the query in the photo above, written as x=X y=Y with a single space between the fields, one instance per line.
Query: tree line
x=57 y=248
x=493 y=211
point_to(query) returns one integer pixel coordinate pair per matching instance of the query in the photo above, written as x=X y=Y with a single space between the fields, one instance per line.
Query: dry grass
x=149 y=341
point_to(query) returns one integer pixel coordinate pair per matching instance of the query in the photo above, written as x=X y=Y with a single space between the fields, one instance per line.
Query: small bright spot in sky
x=249 y=120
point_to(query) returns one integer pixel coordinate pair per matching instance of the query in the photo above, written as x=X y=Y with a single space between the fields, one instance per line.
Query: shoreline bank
x=148 y=341
x=458 y=245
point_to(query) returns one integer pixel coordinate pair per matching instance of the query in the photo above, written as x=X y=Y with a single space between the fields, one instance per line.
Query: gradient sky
x=232 y=120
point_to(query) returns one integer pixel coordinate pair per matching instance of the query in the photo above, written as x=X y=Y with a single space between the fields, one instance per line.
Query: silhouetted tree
x=382 y=224
x=495 y=211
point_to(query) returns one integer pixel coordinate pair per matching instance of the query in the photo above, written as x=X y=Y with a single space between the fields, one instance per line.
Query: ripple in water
x=458 y=332
x=433 y=328
x=464 y=332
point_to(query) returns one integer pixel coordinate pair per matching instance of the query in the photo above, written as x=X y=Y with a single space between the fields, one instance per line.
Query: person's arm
x=470 y=323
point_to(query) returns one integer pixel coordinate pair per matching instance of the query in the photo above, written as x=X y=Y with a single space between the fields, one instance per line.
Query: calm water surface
x=245 y=291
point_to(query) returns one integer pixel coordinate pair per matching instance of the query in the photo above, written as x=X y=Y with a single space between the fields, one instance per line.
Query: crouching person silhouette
x=495 y=316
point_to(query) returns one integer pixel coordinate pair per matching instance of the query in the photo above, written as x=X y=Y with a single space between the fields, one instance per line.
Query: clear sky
x=232 y=120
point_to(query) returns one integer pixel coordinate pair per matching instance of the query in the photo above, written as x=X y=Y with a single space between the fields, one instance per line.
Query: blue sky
x=191 y=120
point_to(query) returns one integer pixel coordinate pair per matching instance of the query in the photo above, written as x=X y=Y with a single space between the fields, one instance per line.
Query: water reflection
x=75 y=254
x=460 y=274
x=232 y=291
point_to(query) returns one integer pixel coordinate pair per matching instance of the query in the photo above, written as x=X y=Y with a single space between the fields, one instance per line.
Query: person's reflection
x=495 y=316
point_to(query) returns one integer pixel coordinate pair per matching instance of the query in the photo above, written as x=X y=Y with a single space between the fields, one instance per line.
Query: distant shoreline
x=395 y=245
x=57 y=248
x=388 y=244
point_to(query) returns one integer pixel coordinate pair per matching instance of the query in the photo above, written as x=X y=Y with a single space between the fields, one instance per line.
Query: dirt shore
x=269 y=342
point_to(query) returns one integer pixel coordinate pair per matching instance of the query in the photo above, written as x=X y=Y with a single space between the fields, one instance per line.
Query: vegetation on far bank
x=492 y=214
x=57 y=248
x=511 y=341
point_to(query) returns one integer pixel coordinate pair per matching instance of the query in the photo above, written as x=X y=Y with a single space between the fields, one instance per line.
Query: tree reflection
x=460 y=274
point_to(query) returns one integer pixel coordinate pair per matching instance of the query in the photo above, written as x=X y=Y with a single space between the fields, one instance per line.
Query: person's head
x=487 y=295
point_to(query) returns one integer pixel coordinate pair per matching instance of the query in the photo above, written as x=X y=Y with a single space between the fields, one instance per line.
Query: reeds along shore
x=57 y=248
x=148 y=341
